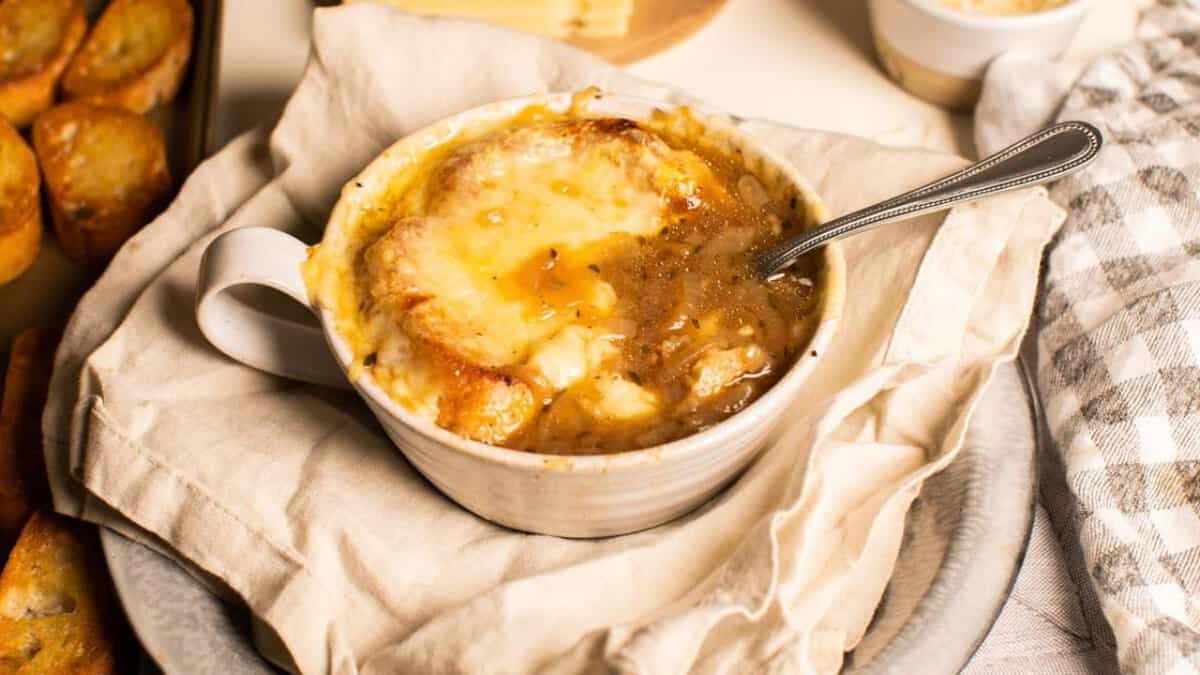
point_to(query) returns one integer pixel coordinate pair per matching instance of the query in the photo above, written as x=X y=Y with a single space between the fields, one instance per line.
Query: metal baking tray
x=48 y=291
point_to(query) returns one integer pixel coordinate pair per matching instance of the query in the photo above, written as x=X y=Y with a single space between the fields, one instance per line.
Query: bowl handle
x=250 y=327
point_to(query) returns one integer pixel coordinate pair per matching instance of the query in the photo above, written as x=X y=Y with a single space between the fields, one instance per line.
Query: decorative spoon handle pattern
x=1047 y=155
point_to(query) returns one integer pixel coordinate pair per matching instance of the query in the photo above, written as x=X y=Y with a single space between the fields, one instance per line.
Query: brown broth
x=681 y=294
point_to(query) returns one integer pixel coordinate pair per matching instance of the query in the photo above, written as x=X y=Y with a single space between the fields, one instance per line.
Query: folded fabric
x=292 y=496
x=1118 y=329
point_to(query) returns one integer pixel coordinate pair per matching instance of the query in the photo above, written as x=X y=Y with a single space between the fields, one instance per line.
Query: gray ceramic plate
x=964 y=542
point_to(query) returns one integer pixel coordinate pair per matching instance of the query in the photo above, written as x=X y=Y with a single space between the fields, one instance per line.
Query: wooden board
x=656 y=25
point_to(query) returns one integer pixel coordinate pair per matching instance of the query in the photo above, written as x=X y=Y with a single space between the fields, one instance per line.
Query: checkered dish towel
x=1118 y=327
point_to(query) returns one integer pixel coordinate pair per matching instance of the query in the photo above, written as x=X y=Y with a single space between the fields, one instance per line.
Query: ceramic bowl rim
x=1066 y=13
x=759 y=411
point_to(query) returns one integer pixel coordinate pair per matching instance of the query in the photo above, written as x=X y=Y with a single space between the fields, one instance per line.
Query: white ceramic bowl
x=940 y=54
x=571 y=496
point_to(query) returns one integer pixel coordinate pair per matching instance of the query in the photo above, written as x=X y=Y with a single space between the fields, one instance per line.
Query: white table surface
x=805 y=62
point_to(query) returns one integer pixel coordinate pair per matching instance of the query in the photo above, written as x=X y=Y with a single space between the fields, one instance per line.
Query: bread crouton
x=20 y=210
x=487 y=407
x=37 y=40
x=56 y=611
x=719 y=368
x=135 y=56
x=106 y=176
x=23 y=487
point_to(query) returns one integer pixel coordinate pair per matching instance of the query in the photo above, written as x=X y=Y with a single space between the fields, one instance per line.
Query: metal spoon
x=1047 y=155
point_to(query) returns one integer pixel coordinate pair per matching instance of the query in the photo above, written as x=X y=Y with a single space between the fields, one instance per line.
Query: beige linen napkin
x=291 y=496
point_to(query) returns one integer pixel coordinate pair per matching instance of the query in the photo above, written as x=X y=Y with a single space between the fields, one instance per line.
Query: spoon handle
x=1045 y=156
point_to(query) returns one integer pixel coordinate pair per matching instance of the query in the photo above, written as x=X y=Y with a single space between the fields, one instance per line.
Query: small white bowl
x=940 y=54
x=570 y=496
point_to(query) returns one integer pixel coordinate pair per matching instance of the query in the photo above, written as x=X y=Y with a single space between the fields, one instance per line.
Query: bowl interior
x=720 y=132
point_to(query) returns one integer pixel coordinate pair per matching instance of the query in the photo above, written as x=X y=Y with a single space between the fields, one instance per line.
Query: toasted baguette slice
x=106 y=176
x=135 y=56
x=20 y=211
x=56 y=611
x=23 y=487
x=37 y=40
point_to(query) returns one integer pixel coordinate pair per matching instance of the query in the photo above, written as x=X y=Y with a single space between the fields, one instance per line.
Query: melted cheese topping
x=497 y=261
x=494 y=288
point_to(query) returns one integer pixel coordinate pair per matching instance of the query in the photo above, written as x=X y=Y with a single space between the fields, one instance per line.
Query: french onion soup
x=568 y=284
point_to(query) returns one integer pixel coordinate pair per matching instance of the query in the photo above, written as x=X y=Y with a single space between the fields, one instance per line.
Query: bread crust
x=57 y=613
x=23 y=487
x=106 y=176
x=20 y=211
x=148 y=75
x=20 y=241
x=24 y=96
